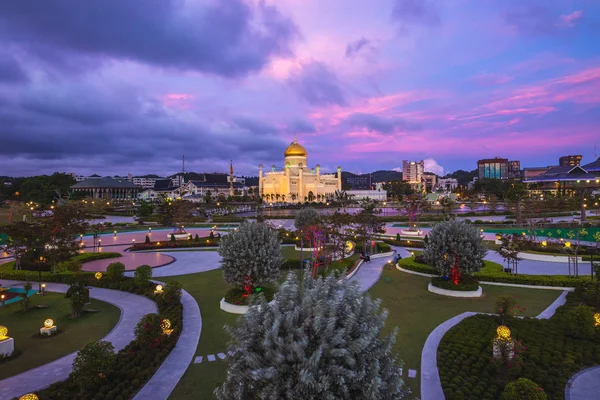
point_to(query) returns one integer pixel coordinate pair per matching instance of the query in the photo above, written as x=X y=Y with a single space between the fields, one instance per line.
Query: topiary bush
x=142 y=275
x=115 y=271
x=172 y=291
x=148 y=332
x=147 y=241
x=523 y=389
x=92 y=364
x=580 y=322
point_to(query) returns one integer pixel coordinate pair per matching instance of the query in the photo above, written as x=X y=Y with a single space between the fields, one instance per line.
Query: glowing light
x=159 y=289
x=49 y=323
x=596 y=319
x=98 y=275
x=567 y=244
x=544 y=243
x=43 y=286
x=165 y=324
x=29 y=396
x=503 y=332
x=3 y=332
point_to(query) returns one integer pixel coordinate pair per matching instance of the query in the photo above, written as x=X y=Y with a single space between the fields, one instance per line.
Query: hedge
x=134 y=365
x=383 y=247
x=179 y=244
x=7 y=270
x=418 y=244
x=550 y=356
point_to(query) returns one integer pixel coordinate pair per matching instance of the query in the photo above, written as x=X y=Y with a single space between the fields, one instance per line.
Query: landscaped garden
x=33 y=350
x=547 y=352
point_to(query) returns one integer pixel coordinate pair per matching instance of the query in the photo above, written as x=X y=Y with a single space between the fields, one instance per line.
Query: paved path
x=188 y=262
x=584 y=385
x=133 y=307
x=131 y=260
x=368 y=274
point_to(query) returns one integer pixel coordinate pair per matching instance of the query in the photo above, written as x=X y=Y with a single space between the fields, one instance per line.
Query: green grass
x=73 y=335
x=416 y=312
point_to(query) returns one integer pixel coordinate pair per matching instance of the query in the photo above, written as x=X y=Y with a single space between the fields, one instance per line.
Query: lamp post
x=41 y=260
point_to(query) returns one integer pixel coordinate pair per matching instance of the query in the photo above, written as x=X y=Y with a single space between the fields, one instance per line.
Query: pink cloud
x=568 y=21
x=182 y=101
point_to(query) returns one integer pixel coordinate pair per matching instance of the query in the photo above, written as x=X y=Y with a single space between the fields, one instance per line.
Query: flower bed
x=550 y=354
x=133 y=365
x=238 y=297
x=466 y=284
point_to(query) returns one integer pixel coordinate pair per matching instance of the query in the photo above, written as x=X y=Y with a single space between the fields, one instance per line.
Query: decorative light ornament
x=567 y=244
x=3 y=332
x=49 y=323
x=503 y=332
x=544 y=243
x=29 y=396
x=596 y=320
x=165 y=325
x=159 y=289
x=98 y=275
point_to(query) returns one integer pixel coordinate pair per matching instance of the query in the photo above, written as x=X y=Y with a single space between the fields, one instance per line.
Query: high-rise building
x=514 y=170
x=493 y=168
x=570 y=161
x=429 y=182
x=412 y=172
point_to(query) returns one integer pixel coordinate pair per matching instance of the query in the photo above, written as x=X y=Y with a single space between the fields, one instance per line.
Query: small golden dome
x=295 y=149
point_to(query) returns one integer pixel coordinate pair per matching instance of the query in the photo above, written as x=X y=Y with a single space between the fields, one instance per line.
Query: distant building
x=215 y=184
x=412 y=172
x=358 y=182
x=429 y=182
x=142 y=181
x=107 y=188
x=447 y=184
x=532 y=172
x=498 y=168
x=377 y=195
x=570 y=161
x=565 y=179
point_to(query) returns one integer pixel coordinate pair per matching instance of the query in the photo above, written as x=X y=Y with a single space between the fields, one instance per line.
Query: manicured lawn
x=73 y=333
x=416 y=312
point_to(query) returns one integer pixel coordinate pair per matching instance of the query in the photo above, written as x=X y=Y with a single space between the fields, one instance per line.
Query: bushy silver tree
x=251 y=255
x=455 y=248
x=306 y=217
x=319 y=340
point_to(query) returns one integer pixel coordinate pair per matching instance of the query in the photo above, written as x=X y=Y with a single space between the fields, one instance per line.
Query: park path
x=369 y=273
x=584 y=385
x=133 y=307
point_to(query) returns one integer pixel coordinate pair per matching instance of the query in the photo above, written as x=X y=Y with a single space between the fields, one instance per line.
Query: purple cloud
x=317 y=84
x=11 y=71
x=416 y=12
x=380 y=124
x=228 y=38
x=353 y=48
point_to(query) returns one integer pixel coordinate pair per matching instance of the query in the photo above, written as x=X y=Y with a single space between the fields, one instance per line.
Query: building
x=296 y=182
x=499 y=168
x=358 y=182
x=163 y=188
x=447 y=184
x=377 y=195
x=107 y=188
x=570 y=161
x=566 y=179
x=412 y=172
x=429 y=182
x=215 y=184
x=532 y=172
x=514 y=170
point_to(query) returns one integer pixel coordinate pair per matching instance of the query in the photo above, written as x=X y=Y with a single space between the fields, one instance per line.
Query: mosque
x=297 y=182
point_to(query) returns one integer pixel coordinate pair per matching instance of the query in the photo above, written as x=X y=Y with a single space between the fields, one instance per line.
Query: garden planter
x=7 y=346
x=509 y=347
x=455 y=293
x=179 y=236
x=410 y=232
x=233 y=308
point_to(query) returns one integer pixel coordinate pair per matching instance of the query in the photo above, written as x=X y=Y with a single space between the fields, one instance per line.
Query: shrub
x=197 y=238
x=172 y=237
x=142 y=275
x=211 y=236
x=115 y=271
x=383 y=247
x=148 y=332
x=420 y=259
x=523 y=389
x=506 y=308
x=25 y=296
x=251 y=256
x=147 y=241
x=397 y=237
x=172 y=291
x=72 y=265
x=581 y=323
x=92 y=364
x=79 y=294
x=467 y=284
x=455 y=249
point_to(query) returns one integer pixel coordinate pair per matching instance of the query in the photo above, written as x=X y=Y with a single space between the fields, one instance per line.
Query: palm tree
x=277 y=196
x=283 y=197
x=294 y=196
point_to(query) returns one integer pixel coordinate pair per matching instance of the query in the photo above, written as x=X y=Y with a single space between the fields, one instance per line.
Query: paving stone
x=221 y=356
x=211 y=357
x=198 y=360
x=412 y=373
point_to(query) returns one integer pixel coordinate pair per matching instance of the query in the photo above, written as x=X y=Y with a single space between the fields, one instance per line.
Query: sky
x=116 y=87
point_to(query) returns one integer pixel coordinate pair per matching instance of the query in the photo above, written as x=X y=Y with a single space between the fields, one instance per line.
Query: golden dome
x=295 y=149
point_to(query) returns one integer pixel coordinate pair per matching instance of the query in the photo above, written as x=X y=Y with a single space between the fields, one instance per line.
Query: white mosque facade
x=297 y=182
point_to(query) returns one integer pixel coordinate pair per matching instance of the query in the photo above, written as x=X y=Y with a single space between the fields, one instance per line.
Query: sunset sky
x=113 y=86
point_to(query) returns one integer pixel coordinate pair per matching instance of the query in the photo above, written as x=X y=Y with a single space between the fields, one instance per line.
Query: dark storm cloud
x=317 y=84
x=416 y=12
x=225 y=37
x=10 y=70
x=379 y=124
x=354 y=47
x=254 y=125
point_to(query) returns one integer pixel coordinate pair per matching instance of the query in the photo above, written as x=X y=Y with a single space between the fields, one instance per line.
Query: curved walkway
x=186 y=262
x=584 y=385
x=133 y=307
x=131 y=260
x=369 y=273
x=431 y=385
